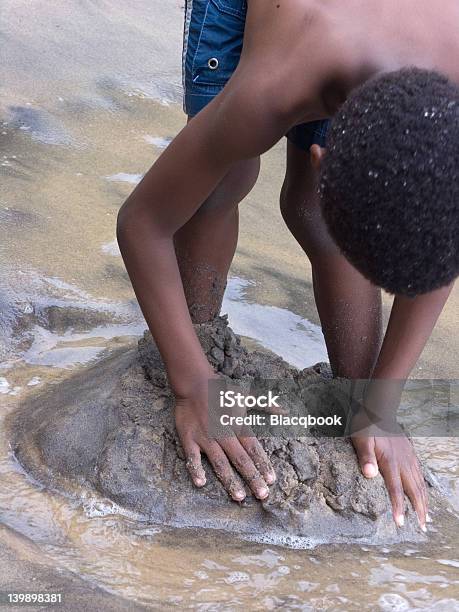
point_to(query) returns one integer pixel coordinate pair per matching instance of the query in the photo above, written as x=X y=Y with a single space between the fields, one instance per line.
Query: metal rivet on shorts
x=213 y=63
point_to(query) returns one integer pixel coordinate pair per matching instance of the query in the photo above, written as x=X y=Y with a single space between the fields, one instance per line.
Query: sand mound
x=110 y=430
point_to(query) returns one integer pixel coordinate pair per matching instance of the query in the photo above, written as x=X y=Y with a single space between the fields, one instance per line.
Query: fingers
x=422 y=486
x=415 y=489
x=224 y=471
x=260 y=459
x=415 y=496
x=401 y=472
x=391 y=474
x=193 y=462
x=419 y=476
x=245 y=466
x=365 y=449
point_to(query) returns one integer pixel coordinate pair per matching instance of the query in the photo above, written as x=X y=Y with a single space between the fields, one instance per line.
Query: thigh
x=212 y=45
x=300 y=204
x=299 y=191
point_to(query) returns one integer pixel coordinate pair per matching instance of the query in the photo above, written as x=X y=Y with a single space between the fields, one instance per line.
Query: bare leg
x=205 y=245
x=349 y=306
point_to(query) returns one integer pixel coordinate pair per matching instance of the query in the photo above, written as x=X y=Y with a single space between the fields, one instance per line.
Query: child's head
x=390 y=181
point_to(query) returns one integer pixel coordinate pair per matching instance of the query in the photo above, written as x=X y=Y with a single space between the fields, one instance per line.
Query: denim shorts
x=212 y=45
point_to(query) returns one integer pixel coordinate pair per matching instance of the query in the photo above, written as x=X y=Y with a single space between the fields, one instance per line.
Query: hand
x=245 y=453
x=395 y=458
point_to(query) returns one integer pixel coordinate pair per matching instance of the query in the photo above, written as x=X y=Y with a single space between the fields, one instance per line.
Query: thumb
x=365 y=449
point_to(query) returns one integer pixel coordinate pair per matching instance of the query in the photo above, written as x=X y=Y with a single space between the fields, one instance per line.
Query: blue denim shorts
x=212 y=45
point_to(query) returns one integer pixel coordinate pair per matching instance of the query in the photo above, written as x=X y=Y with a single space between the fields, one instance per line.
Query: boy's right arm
x=231 y=128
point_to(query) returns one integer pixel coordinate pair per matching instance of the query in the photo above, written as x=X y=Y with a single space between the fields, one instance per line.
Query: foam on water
x=449 y=562
x=4 y=385
x=97 y=507
x=52 y=349
x=284 y=541
x=111 y=248
x=24 y=325
x=124 y=177
x=40 y=124
x=158 y=141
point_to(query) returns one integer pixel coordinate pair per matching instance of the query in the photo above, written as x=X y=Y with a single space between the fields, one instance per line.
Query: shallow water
x=158 y=566
x=287 y=334
x=207 y=570
x=74 y=143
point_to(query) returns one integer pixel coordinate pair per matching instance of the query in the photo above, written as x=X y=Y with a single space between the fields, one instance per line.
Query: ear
x=317 y=155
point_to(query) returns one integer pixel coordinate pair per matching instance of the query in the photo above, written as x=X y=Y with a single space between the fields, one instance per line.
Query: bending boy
x=253 y=72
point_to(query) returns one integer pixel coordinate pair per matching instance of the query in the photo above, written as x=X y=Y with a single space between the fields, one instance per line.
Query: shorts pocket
x=220 y=42
x=238 y=8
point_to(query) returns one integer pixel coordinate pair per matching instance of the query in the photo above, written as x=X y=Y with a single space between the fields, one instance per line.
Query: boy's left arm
x=410 y=326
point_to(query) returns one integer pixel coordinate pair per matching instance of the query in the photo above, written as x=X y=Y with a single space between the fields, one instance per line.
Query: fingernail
x=421 y=524
x=262 y=493
x=400 y=520
x=270 y=477
x=239 y=495
x=200 y=482
x=370 y=470
x=428 y=518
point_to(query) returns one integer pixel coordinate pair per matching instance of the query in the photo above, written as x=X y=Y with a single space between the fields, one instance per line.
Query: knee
x=300 y=210
x=291 y=204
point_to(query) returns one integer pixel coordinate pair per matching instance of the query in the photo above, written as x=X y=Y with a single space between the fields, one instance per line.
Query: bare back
x=318 y=50
x=301 y=58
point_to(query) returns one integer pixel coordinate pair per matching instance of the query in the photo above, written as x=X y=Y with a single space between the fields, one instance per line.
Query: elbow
x=125 y=225
x=133 y=220
x=136 y=224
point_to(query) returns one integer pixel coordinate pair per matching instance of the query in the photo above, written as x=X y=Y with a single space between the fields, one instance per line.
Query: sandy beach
x=90 y=95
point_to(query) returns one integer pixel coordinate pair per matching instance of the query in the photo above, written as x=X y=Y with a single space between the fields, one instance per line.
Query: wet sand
x=90 y=95
x=23 y=565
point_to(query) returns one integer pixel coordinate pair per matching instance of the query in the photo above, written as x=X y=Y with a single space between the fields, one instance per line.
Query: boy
x=177 y=231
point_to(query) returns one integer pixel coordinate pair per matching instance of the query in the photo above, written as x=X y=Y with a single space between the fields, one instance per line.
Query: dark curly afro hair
x=389 y=182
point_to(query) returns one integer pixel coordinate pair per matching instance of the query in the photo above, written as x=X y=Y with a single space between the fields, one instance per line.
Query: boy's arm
x=410 y=326
x=233 y=127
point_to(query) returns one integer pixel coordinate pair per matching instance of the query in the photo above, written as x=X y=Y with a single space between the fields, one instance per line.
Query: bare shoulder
x=294 y=66
x=300 y=60
x=294 y=50
x=294 y=59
